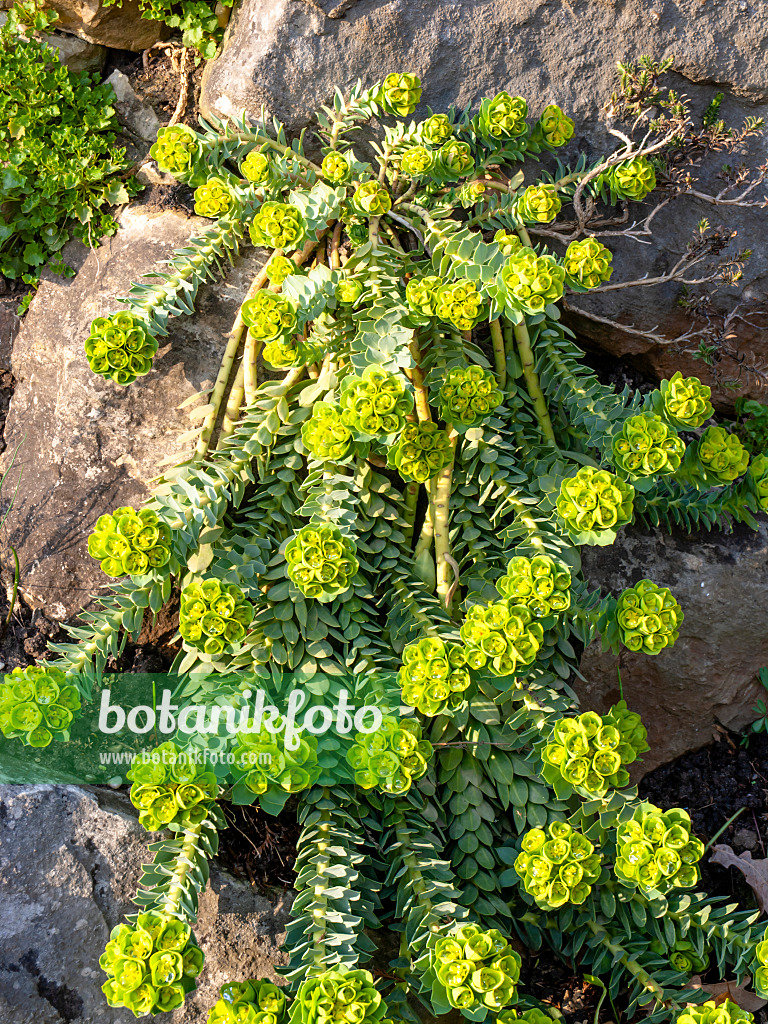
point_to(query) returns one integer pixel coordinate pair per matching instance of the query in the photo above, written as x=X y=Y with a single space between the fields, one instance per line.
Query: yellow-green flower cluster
x=655 y=850
x=532 y=282
x=248 y=1002
x=476 y=968
x=421 y=294
x=436 y=130
x=587 y=263
x=120 y=347
x=348 y=291
x=262 y=759
x=553 y=127
x=470 y=193
x=760 y=974
x=324 y=434
x=503 y=117
x=722 y=455
x=468 y=395
x=434 y=675
x=649 y=618
x=213 y=199
x=129 y=542
x=508 y=243
x=715 y=1012
x=392 y=757
x=338 y=996
x=174 y=148
x=169 y=787
x=758 y=475
x=459 y=303
x=539 y=583
x=590 y=752
x=335 y=167
x=539 y=204
x=594 y=499
x=269 y=316
x=371 y=199
x=557 y=865
x=213 y=615
x=277 y=226
x=375 y=404
x=633 y=179
x=37 y=705
x=295 y=351
x=501 y=636
x=256 y=167
x=416 y=160
x=686 y=401
x=420 y=452
x=150 y=966
x=454 y=159
x=279 y=268
x=321 y=561
x=646 y=446
x=400 y=93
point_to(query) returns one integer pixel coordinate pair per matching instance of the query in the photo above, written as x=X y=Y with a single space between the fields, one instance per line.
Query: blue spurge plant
x=394 y=521
x=130 y=542
x=37 y=705
x=120 y=347
x=249 y=1002
x=171 y=791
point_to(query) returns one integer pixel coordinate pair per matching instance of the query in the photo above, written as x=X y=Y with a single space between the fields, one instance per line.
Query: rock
x=70 y=860
x=78 y=54
x=150 y=174
x=121 y=27
x=708 y=679
x=138 y=117
x=289 y=55
x=90 y=445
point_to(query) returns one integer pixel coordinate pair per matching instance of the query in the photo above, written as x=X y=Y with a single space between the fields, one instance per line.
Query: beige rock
x=78 y=54
x=122 y=27
x=138 y=117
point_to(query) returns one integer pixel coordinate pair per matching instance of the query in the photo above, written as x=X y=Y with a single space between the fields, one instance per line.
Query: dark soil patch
x=159 y=84
x=260 y=848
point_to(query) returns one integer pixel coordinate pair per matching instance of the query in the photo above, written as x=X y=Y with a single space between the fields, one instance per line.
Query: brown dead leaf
x=754 y=871
x=730 y=990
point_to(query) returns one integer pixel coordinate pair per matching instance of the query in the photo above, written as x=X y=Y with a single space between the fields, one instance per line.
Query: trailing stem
x=532 y=382
x=442 y=496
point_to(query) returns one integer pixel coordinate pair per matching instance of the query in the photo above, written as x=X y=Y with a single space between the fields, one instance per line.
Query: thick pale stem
x=234 y=404
x=335 y=260
x=442 y=521
x=499 y=353
x=532 y=382
x=427 y=534
x=183 y=863
x=411 y=501
x=417 y=379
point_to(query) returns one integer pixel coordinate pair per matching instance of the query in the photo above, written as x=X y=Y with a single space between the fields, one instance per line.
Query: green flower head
x=686 y=401
x=459 y=303
x=436 y=130
x=646 y=446
x=256 y=167
x=279 y=268
x=587 y=263
x=376 y=404
x=503 y=117
x=468 y=395
x=538 y=204
x=400 y=94
x=478 y=969
x=421 y=294
x=501 y=637
x=589 y=753
x=391 y=758
x=277 y=226
x=213 y=199
x=348 y=291
x=264 y=762
x=531 y=282
x=455 y=160
x=553 y=129
x=335 y=167
x=321 y=561
x=269 y=316
x=174 y=149
x=37 y=705
x=434 y=676
x=649 y=618
x=722 y=455
x=415 y=161
x=758 y=478
x=213 y=616
x=167 y=785
x=120 y=347
x=557 y=865
x=295 y=351
x=715 y=1012
x=338 y=995
x=508 y=243
x=420 y=452
x=633 y=179
x=656 y=851
x=130 y=542
x=594 y=500
x=325 y=435
x=371 y=199
x=540 y=584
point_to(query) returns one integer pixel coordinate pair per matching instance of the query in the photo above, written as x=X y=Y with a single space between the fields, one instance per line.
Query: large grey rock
x=288 y=55
x=90 y=445
x=709 y=677
x=139 y=118
x=119 y=26
x=70 y=861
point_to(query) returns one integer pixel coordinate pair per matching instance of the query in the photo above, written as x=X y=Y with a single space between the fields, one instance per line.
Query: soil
x=159 y=83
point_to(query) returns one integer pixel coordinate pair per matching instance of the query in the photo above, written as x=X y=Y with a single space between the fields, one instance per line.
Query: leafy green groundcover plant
x=60 y=169
x=400 y=516
x=195 y=19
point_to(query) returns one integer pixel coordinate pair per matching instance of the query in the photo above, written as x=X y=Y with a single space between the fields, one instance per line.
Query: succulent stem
x=533 y=385
x=442 y=498
x=411 y=501
x=499 y=353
